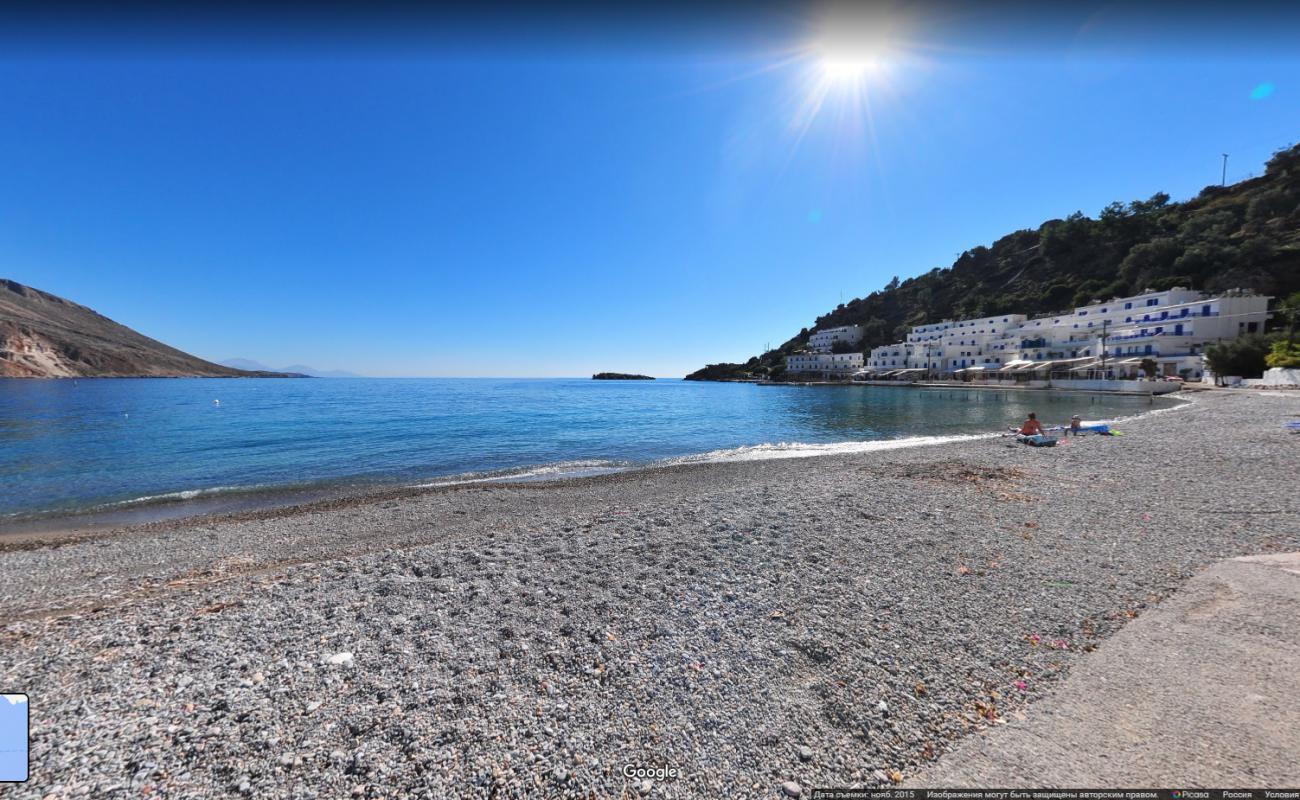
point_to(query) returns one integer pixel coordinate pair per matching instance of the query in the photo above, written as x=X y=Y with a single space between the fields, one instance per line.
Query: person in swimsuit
x=1031 y=426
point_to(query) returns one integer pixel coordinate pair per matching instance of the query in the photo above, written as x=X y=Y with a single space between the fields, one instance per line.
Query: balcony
x=1183 y=314
x=1148 y=335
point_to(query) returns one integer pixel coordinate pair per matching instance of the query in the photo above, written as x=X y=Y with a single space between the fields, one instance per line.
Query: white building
x=941 y=348
x=824 y=365
x=1171 y=328
x=1172 y=332
x=892 y=357
x=823 y=341
x=820 y=362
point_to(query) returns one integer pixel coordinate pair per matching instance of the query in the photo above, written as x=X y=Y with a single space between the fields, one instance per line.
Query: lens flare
x=846 y=67
x=1261 y=92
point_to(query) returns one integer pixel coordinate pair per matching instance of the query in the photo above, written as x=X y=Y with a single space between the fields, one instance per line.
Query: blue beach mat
x=1037 y=440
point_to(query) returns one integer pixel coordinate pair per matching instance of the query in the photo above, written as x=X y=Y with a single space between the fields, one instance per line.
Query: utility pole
x=1224 y=180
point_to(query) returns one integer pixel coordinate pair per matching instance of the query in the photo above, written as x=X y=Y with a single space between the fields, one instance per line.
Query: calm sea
x=76 y=445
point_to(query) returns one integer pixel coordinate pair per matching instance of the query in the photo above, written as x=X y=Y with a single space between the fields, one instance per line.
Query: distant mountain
x=245 y=364
x=1245 y=235
x=302 y=369
x=45 y=336
x=321 y=373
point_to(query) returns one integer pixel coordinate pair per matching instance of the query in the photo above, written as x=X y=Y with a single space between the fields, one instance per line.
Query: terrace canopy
x=1068 y=363
x=1030 y=366
x=1050 y=364
x=1012 y=366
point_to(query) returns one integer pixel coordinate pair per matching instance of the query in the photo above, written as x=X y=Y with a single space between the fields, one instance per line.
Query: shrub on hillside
x=1284 y=355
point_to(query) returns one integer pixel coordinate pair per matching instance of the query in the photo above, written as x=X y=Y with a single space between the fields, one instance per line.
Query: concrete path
x=1202 y=691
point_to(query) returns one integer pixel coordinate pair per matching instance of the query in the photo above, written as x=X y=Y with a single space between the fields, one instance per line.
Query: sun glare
x=848 y=64
x=848 y=68
x=845 y=70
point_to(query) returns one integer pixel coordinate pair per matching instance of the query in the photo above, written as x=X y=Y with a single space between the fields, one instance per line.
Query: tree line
x=1243 y=236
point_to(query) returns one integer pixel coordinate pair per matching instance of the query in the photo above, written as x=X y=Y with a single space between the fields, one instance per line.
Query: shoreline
x=831 y=621
x=61 y=529
x=964 y=386
x=213 y=504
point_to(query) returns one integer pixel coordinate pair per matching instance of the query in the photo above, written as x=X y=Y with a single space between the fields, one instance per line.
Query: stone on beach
x=646 y=637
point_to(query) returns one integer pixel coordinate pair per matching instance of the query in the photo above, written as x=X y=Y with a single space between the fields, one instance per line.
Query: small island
x=619 y=376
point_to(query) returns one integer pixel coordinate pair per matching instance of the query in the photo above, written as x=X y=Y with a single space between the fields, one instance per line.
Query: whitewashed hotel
x=825 y=365
x=823 y=341
x=1103 y=340
x=820 y=362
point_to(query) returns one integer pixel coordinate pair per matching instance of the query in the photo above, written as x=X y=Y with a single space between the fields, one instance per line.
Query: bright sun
x=848 y=68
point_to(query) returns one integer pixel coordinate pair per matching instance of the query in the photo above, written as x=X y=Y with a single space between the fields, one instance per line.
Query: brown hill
x=44 y=336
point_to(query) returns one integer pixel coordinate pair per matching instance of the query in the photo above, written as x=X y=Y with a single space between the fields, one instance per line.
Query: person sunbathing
x=1031 y=426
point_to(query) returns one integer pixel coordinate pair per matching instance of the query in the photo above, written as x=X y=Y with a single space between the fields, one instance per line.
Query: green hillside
x=1246 y=235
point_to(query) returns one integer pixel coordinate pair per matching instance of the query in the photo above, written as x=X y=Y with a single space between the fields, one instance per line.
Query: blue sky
x=527 y=203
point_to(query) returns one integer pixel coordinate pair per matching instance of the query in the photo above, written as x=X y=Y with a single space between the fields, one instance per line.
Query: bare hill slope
x=45 y=336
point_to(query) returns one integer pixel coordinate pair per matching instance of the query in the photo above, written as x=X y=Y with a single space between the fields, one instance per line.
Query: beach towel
x=1037 y=440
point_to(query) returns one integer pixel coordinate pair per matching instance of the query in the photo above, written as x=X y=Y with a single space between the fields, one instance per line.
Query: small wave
x=758 y=452
x=553 y=471
x=762 y=452
x=163 y=498
x=180 y=498
x=183 y=494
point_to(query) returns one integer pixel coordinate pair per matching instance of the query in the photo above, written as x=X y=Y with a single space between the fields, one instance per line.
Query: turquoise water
x=68 y=446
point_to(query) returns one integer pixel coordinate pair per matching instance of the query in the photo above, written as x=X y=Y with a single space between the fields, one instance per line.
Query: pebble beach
x=742 y=629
